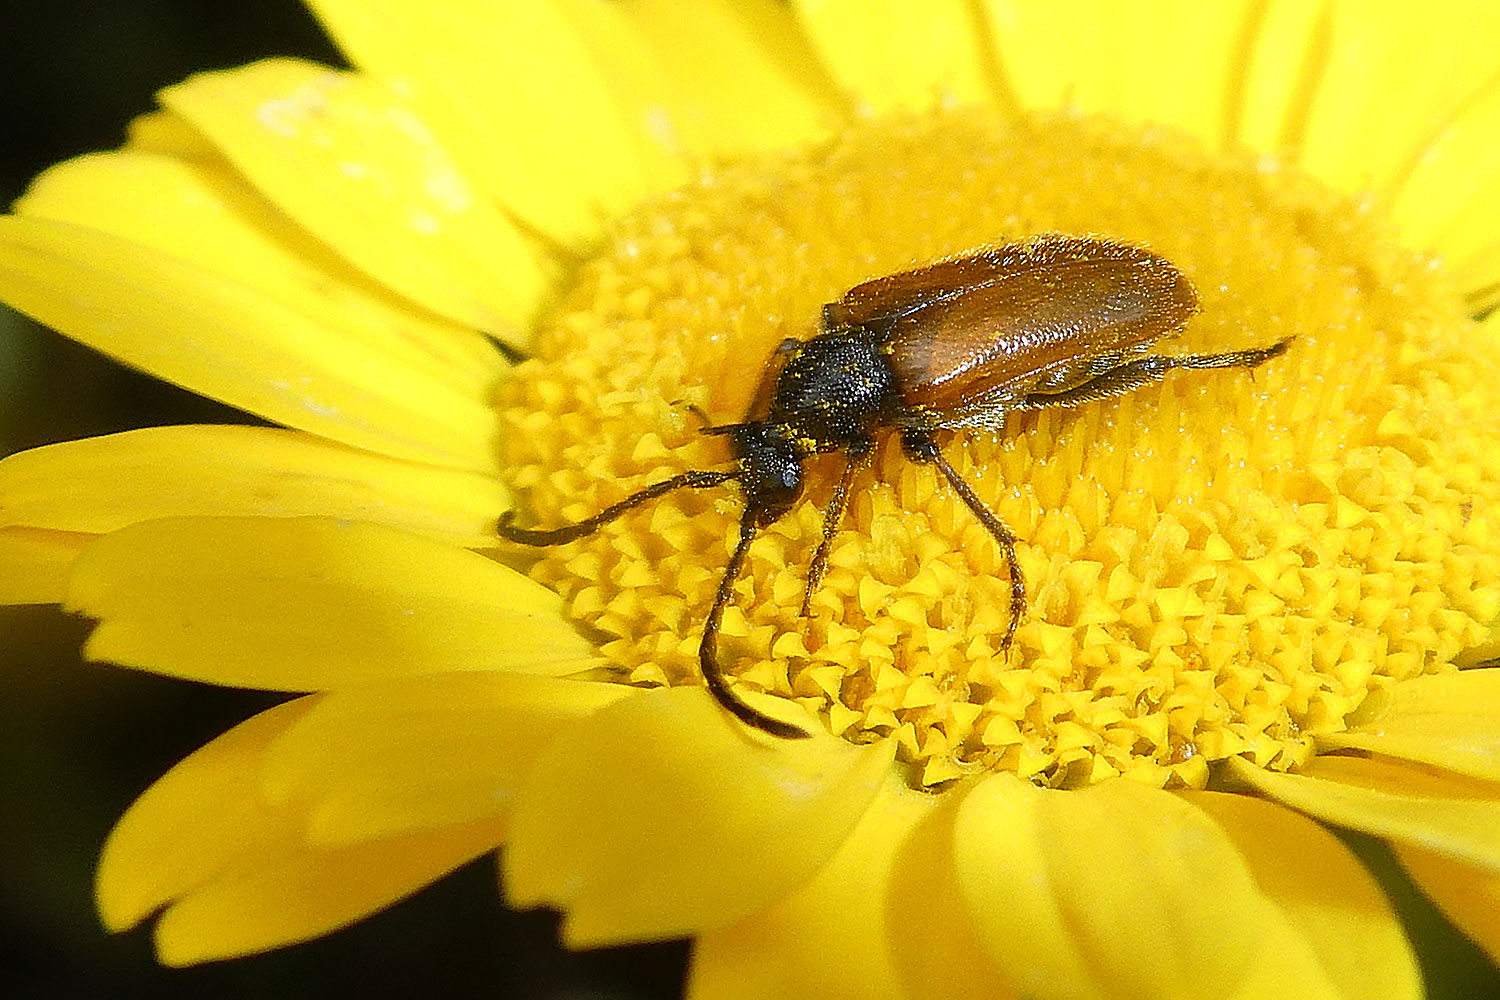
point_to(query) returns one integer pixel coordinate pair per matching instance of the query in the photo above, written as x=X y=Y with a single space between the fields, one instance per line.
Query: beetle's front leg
x=856 y=452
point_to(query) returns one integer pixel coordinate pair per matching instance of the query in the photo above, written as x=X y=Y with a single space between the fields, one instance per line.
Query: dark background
x=78 y=742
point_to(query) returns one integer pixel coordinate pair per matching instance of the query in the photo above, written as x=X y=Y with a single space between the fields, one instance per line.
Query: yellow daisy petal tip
x=285 y=892
x=193 y=821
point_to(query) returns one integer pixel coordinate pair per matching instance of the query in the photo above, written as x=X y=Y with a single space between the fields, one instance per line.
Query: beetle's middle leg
x=920 y=446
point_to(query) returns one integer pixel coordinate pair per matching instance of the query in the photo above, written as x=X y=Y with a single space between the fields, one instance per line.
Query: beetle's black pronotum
x=1054 y=321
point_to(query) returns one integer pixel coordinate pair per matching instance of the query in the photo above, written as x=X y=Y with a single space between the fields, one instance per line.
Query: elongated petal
x=1378 y=96
x=643 y=84
x=194 y=206
x=101 y=484
x=349 y=159
x=742 y=76
x=1453 y=816
x=473 y=69
x=658 y=817
x=214 y=335
x=831 y=938
x=1451 y=721
x=295 y=893
x=1468 y=896
x=192 y=822
x=416 y=753
x=1176 y=62
x=34 y=564
x=1001 y=866
x=1449 y=201
x=309 y=604
x=936 y=943
x=1286 y=47
x=234 y=870
x=901 y=54
x=1115 y=859
x=1331 y=900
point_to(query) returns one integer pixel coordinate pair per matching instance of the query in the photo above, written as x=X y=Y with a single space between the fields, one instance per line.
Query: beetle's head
x=770 y=469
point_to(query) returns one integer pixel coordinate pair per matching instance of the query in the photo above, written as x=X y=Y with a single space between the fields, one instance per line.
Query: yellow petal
x=742 y=76
x=1447 y=720
x=1284 y=966
x=1389 y=74
x=1095 y=57
x=199 y=210
x=1449 y=202
x=192 y=822
x=1453 y=816
x=1331 y=900
x=473 y=71
x=659 y=817
x=349 y=159
x=216 y=336
x=1116 y=857
x=233 y=869
x=1001 y=867
x=935 y=943
x=160 y=131
x=34 y=564
x=101 y=484
x=1467 y=896
x=901 y=54
x=310 y=603
x=415 y=753
x=295 y=893
x=830 y=938
x=1286 y=50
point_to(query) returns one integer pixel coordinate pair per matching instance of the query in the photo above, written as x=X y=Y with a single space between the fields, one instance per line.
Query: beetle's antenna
x=713 y=679
x=1003 y=535
x=696 y=479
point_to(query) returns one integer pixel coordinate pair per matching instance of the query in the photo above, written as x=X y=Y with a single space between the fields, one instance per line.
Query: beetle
x=961 y=344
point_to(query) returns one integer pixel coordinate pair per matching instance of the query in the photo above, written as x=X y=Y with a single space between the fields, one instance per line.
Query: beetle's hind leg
x=696 y=479
x=1143 y=370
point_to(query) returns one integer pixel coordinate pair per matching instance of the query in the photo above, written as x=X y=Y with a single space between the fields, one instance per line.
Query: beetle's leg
x=1143 y=370
x=832 y=518
x=920 y=447
x=697 y=479
x=713 y=679
x=1252 y=357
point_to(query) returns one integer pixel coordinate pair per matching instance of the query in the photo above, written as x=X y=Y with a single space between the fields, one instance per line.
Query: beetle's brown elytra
x=1052 y=321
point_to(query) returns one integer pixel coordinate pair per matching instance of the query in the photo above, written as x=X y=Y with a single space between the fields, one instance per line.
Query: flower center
x=1225 y=563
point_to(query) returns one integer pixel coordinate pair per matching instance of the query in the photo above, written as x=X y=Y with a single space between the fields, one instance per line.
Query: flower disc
x=1224 y=563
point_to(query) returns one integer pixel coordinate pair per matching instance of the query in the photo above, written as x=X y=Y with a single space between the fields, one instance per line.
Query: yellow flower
x=1252 y=596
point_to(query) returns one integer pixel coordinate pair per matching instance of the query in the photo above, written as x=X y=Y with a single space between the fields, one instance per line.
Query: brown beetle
x=1053 y=321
